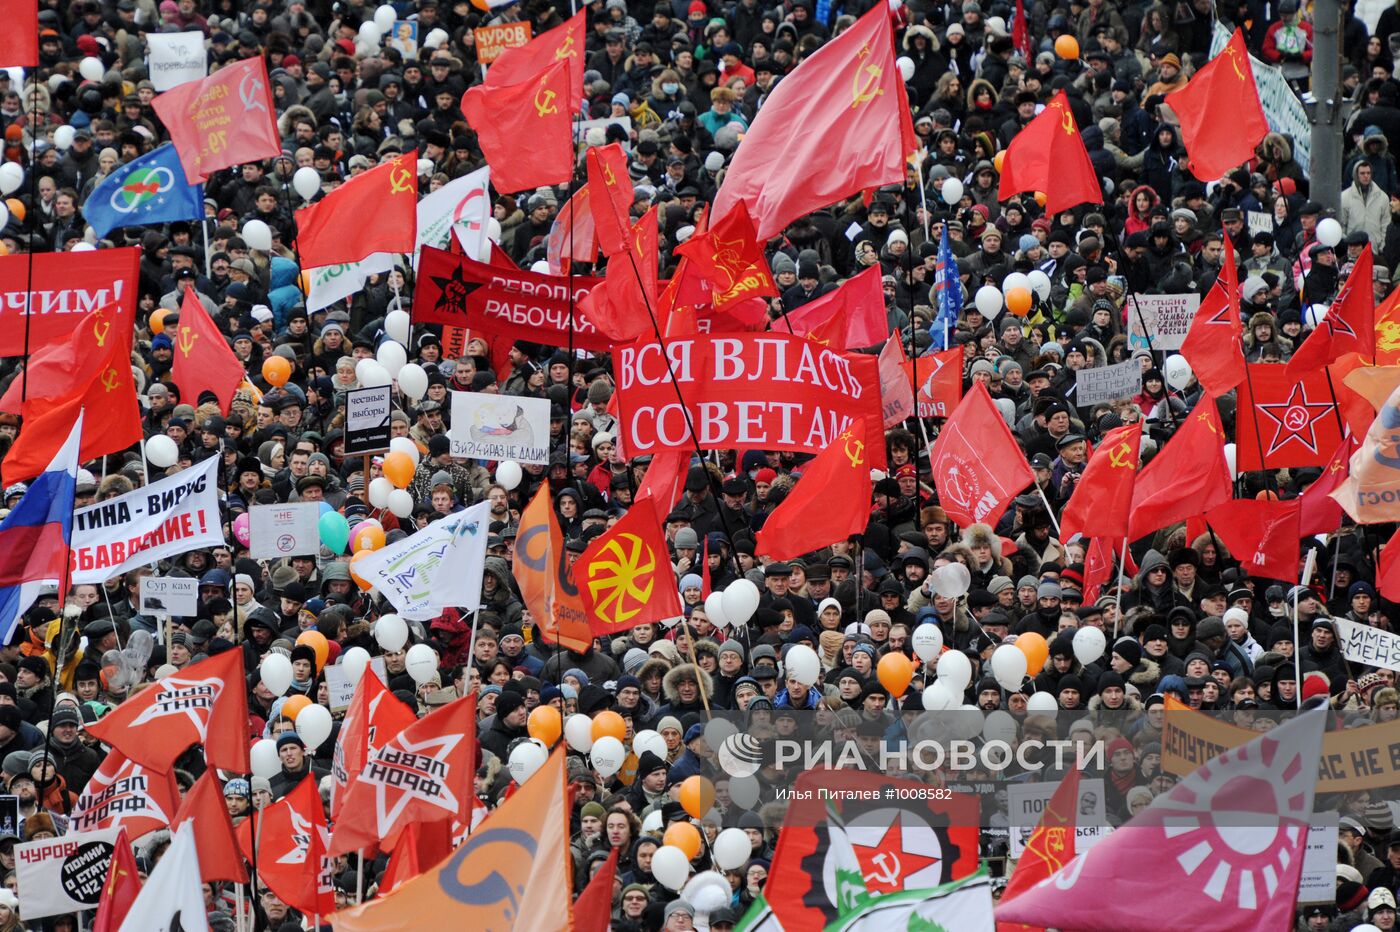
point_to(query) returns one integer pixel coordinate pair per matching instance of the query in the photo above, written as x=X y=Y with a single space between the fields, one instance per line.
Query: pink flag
x=1223 y=850
x=226 y=119
x=859 y=302
x=896 y=394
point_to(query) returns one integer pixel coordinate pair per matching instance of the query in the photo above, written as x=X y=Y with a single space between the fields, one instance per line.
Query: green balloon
x=335 y=531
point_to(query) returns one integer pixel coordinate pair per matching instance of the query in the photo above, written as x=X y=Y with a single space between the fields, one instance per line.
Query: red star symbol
x=1294 y=419
x=887 y=863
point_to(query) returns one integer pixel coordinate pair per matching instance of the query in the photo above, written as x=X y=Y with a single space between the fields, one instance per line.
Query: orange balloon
x=16 y=208
x=609 y=724
x=4 y=250
x=684 y=836
x=1036 y=650
x=697 y=795
x=1267 y=496
x=398 y=469
x=1040 y=198
x=1067 y=47
x=364 y=584
x=369 y=538
x=998 y=159
x=545 y=724
x=276 y=370
x=293 y=706
x=317 y=642
x=157 y=320
x=627 y=773
x=895 y=671
x=1018 y=301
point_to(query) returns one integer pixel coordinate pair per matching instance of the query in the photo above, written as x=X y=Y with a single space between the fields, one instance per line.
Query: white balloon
x=392 y=356
x=509 y=474
x=435 y=38
x=421 y=662
x=407 y=447
x=999 y=726
x=804 y=665
x=905 y=66
x=354 y=662
x=927 y=641
x=1015 y=280
x=314 y=726
x=1009 y=667
x=1329 y=232
x=744 y=791
x=714 y=609
x=11 y=177
x=670 y=866
x=740 y=601
x=938 y=698
x=257 y=235
x=952 y=191
x=731 y=848
x=1089 y=644
x=1315 y=314
x=374 y=375
x=391 y=632
x=425 y=167
x=306 y=181
x=649 y=740
x=400 y=503
x=413 y=381
x=83 y=247
x=1041 y=702
x=379 y=490
x=276 y=673
x=162 y=451
x=607 y=755
x=369 y=31
x=541 y=266
x=525 y=759
x=264 y=759
x=955 y=669
x=92 y=69
x=952 y=581
x=385 y=17
x=4 y=216
x=578 y=731
x=63 y=137
x=651 y=825
x=493 y=230
x=1232 y=460
x=1040 y=283
x=397 y=324
x=988 y=300
x=1177 y=371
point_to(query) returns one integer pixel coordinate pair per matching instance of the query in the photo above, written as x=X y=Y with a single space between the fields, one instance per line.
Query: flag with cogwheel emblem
x=625 y=575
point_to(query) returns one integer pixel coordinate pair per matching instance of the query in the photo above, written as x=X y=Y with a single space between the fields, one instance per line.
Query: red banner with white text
x=66 y=286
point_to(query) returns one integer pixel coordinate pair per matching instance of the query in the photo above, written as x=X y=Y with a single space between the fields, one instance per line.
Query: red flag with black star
x=1350 y=324
x=1284 y=421
x=1214 y=346
x=625 y=575
x=1262 y=535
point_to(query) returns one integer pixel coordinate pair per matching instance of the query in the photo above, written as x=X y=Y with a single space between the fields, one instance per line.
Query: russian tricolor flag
x=35 y=536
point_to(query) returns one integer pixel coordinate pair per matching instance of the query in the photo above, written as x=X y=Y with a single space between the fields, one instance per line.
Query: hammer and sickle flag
x=376 y=211
x=524 y=128
x=1048 y=155
x=562 y=43
x=1098 y=507
x=829 y=503
x=203 y=360
x=1221 y=117
x=625 y=575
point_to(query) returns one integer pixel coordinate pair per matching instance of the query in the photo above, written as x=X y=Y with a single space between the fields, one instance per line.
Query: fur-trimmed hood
x=671 y=683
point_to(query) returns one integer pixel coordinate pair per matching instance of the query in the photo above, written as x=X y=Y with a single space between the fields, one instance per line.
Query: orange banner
x=491 y=41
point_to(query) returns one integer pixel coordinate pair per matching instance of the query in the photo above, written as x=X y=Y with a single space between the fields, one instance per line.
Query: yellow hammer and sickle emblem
x=566 y=49
x=110 y=378
x=865 y=92
x=854 y=449
x=547 y=107
x=1066 y=118
x=187 y=339
x=100 y=329
x=609 y=178
x=1235 y=60
x=1205 y=416
x=1120 y=456
x=400 y=181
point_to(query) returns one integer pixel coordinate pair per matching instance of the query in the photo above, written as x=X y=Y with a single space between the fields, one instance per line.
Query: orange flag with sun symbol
x=625 y=575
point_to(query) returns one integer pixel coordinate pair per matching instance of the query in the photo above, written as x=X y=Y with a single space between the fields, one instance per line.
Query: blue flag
x=948 y=287
x=149 y=190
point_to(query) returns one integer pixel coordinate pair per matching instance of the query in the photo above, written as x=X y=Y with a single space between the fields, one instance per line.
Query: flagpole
x=34 y=202
x=1166 y=389
x=1297 y=642
x=1122 y=564
x=204 y=228
x=1048 y=510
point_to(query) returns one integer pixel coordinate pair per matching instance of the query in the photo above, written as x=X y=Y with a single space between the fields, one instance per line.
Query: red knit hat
x=1314 y=684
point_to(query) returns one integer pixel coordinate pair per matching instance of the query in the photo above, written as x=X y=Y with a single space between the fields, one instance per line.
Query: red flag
x=226 y=119
x=61 y=367
x=203 y=359
x=291 y=856
x=1285 y=418
x=573 y=236
x=1320 y=512
x=205 y=703
x=419 y=846
x=831 y=503
x=896 y=394
x=730 y=256
x=618 y=306
x=610 y=196
x=562 y=42
x=1048 y=156
x=625 y=575
x=1213 y=345
x=123 y=793
x=1262 y=535
x=842 y=115
x=106 y=390
x=593 y=908
x=1188 y=475
x=1100 y=503
x=1098 y=564
x=422 y=774
x=375 y=715
x=939 y=380
x=1050 y=846
x=1221 y=117
x=19 y=40
x=214 y=838
x=664 y=478
x=1387 y=330
x=852 y=316
x=333 y=230
x=1020 y=33
x=120 y=890
x=1349 y=326
x=977 y=465
x=524 y=128
x=1388 y=569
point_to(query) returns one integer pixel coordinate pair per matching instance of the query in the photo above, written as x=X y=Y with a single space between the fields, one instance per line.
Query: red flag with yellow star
x=376 y=211
x=830 y=503
x=625 y=575
x=1048 y=156
x=524 y=129
x=203 y=359
x=1099 y=505
x=1284 y=422
x=731 y=257
x=1050 y=847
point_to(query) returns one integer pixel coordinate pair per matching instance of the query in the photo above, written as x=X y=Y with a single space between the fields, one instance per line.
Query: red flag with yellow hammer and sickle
x=203 y=360
x=830 y=502
x=1048 y=156
x=376 y=211
x=524 y=129
x=1098 y=507
x=1050 y=847
x=1221 y=117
